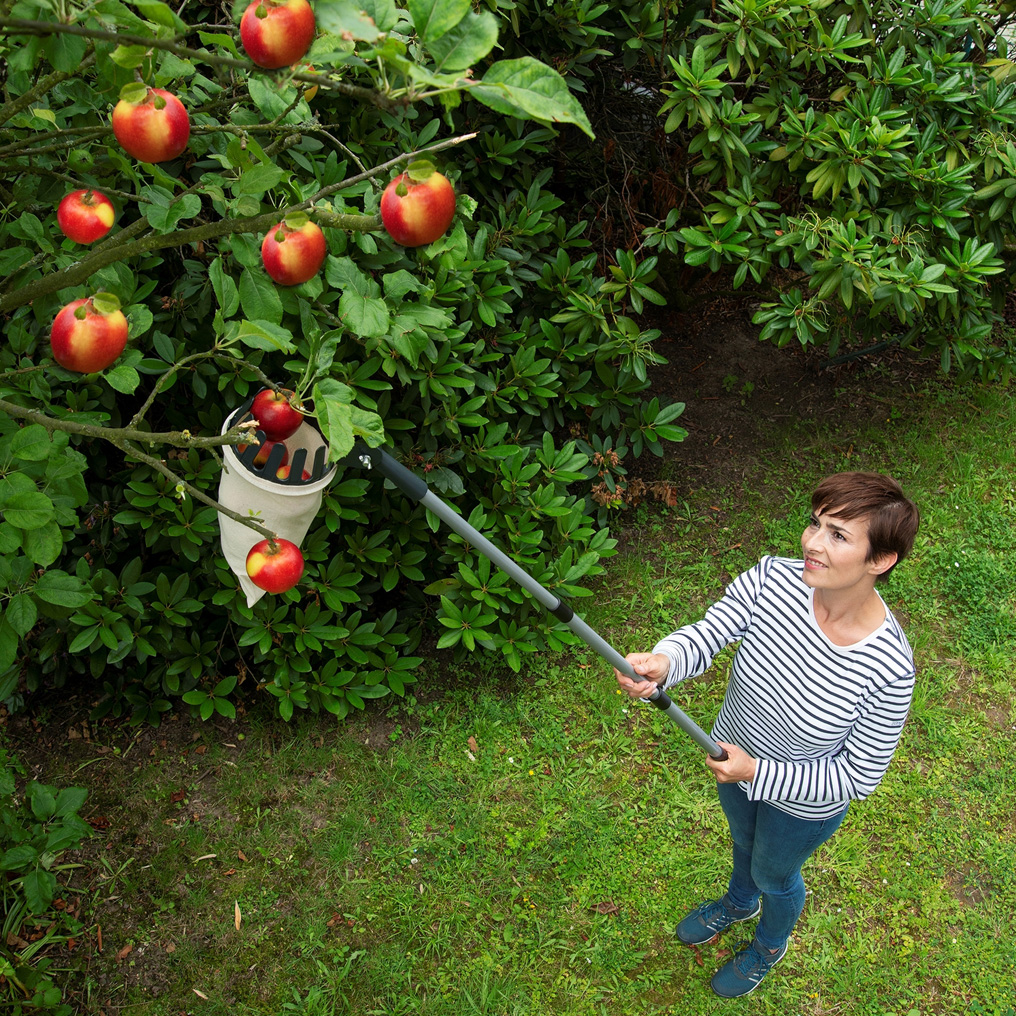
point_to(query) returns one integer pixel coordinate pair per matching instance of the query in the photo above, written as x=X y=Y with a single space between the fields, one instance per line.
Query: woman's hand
x=653 y=667
x=738 y=767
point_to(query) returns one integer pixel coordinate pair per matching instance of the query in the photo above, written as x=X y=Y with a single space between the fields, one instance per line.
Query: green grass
x=511 y=846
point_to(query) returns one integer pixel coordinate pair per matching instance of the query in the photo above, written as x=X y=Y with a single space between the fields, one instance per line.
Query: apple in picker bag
x=275 y=570
x=277 y=33
x=85 y=216
x=150 y=123
x=294 y=250
x=277 y=413
x=418 y=205
x=88 y=335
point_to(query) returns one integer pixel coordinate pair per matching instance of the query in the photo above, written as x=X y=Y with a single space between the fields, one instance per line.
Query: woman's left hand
x=739 y=766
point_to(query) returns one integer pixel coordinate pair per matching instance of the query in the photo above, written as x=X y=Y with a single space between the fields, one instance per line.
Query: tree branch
x=121 y=247
x=22 y=26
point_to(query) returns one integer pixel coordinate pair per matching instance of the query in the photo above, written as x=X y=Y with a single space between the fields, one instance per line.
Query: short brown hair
x=892 y=517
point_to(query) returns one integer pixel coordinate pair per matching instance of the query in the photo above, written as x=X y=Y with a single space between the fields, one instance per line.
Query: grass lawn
x=525 y=845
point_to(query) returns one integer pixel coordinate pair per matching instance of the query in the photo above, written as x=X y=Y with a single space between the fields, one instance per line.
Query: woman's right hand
x=652 y=667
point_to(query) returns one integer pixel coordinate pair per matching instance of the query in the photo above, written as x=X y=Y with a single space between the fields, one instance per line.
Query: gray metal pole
x=415 y=488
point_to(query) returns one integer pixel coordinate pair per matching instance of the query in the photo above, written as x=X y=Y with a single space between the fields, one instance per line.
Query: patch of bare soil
x=742 y=395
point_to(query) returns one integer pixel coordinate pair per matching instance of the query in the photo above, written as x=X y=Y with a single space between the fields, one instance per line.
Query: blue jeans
x=770 y=848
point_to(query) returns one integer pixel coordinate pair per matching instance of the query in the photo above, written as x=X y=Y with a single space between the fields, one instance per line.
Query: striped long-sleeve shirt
x=823 y=720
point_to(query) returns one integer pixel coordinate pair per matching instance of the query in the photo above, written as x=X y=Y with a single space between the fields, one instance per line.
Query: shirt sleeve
x=691 y=649
x=856 y=769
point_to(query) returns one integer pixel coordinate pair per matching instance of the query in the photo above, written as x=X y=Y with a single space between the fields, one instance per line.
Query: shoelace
x=750 y=963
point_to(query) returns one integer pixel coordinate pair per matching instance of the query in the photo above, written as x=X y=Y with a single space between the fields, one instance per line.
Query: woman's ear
x=882 y=564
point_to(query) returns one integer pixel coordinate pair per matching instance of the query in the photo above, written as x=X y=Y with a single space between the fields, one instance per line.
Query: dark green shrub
x=497 y=362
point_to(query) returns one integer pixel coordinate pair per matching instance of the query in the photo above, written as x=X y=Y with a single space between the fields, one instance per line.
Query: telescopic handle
x=417 y=490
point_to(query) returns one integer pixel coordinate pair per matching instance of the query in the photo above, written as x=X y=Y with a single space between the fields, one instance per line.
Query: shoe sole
x=745 y=994
x=715 y=935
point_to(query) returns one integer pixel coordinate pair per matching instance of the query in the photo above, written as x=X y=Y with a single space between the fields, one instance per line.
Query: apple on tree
x=277 y=413
x=150 y=123
x=418 y=205
x=85 y=216
x=89 y=334
x=276 y=33
x=294 y=250
x=275 y=568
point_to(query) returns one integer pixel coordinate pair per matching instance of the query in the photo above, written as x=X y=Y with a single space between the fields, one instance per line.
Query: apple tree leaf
x=466 y=44
x=31 y=443
x=265 y=335
x=341 y=422
x=348 y=19
x=434 y=18
x=527 y=88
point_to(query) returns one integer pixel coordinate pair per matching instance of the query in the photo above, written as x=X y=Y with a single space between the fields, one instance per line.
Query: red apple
x=294 y=250
x=418 y=205
x=276 y=33
x=88 y=335
x=282 y=473
x=276 y=413
x=264 y=451
x=85 y=215
x=150 y=123
x=276 y=570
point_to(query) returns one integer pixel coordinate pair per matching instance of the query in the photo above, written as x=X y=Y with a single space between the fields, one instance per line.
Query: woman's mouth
x=812 y=565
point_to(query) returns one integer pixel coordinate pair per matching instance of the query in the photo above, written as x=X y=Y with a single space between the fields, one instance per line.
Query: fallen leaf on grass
x=236 y=915
x=200 y=994
x=205 y=857
x=241 y=855
x=473 y=746
x=605 y=907
x=122 y=954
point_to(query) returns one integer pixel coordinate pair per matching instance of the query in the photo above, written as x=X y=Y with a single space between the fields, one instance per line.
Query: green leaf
x=10 y=539
x=432 y=18
x=342 y=423
x=27 y=509
x=259 y=299
x=62 y=590
x=348 y=19
x=69 y=801
x=466 y=44
x=39 y=888
x=42 y=800
x=259 y=179
x=21 y=614
x=360 y=306
x=31 y=443
x=43 y=546
x=265 y=335
x=225 y=289
x=123 y=379
x=8 y=645
x=527 y=88
x=24 y=855
x=161 y=14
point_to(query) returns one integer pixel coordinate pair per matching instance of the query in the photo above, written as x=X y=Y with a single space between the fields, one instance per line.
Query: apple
x=261 y=459
x=85 y=215
x=88 y=335
x=277 y=413
x=276 y=33
x=275 y=570
x=294 y=250
x=282 y=473
x=418 y=205
x=150 y=123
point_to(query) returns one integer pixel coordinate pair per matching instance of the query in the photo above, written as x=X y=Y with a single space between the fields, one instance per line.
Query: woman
x=818 y=694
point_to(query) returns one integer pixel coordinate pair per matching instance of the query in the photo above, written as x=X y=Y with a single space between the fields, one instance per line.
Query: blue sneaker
x=744 y=973
x=708 y=920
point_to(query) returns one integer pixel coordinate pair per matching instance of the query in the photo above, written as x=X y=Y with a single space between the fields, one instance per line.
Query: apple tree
x=248 y=251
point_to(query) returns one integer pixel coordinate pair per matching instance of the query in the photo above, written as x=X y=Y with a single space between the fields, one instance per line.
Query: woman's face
x=835 y=550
